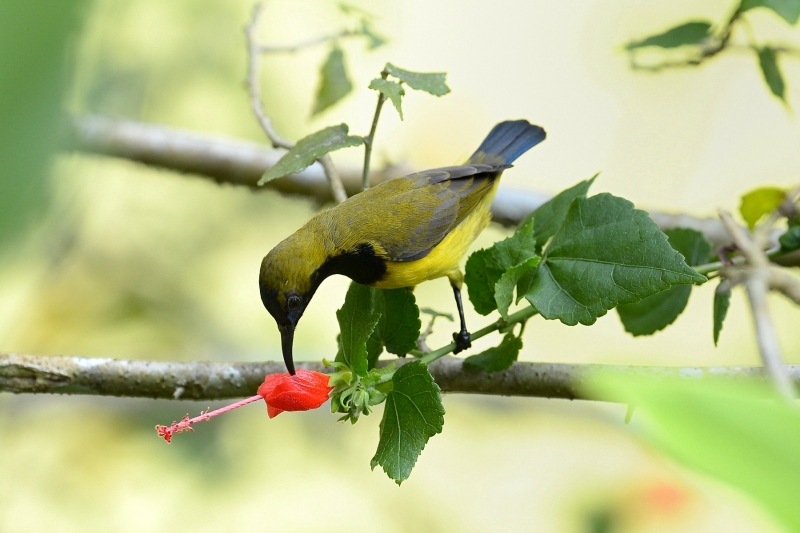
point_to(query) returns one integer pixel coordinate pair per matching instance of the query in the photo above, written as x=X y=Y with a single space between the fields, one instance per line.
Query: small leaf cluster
x=696 y=41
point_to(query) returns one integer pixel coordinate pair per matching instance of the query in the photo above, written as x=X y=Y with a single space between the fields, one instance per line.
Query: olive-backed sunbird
x=397 y=234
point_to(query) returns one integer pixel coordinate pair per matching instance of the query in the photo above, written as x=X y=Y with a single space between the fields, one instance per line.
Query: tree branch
x=242 y=163
x=217 y=380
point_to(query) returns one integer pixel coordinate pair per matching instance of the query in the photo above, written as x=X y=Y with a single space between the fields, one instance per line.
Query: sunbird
x=397 y=234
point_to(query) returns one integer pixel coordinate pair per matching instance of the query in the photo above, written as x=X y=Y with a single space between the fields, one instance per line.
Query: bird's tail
x=507 y=141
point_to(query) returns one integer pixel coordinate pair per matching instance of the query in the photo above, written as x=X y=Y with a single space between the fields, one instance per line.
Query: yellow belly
x=445 y=258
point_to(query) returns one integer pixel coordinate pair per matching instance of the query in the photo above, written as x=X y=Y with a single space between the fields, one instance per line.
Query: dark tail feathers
x=507 y=141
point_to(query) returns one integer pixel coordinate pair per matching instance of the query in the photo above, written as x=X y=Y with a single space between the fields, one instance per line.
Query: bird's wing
x=405 y=218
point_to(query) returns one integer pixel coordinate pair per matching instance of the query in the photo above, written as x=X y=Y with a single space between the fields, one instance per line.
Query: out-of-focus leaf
x=685 y=34
x=374 y=40
x=357 y=320
x=334 y=83
x=34 y=38
x=606 y=253
x=309 y=149
x=788 y=10
x=740 y=433
x=497 y=358
x=430 y=82
x=392 y=90
x=760 y=202
x=550 y=215
x=413 y=414
x=768 y=60
x=791 y=239
x=658 y=311
x=722 y=300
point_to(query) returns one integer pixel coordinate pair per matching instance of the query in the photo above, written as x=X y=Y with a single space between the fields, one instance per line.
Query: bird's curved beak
x=287 y=338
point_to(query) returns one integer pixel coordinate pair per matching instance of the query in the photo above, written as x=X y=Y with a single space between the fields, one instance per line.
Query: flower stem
x=185 y=424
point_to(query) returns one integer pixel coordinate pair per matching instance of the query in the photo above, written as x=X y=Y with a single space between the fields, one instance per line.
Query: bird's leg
x=462 y=337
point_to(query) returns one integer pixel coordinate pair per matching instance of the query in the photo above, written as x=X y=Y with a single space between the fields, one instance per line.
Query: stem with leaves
x=255 y=50
x=368 y=140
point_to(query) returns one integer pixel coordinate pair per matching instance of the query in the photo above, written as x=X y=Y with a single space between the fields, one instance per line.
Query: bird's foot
x=462 y=341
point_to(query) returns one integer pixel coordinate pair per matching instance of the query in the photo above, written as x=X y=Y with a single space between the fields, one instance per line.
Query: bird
x=396 y=234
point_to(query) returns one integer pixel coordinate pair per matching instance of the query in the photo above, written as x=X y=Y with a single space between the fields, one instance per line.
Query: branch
x=243 y=163
x=217 y=380
x=253 y=83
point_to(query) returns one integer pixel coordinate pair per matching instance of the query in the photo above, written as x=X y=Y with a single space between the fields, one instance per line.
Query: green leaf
x=36 y=39
x=760 y=202
x=413 y=414
x=685 y=34
x=357 y=320
x=309 y=149
x=739 y=433
x=550 y=215
x=605 y=254
x=430 y=82
x=392 y=90
x=399 y=325
x=504 y=288
x=768 y=60
x=498 y=358
x=374 y=40
x=656 y=312
x=791 y=239
x=722 y=300
x=788 y=10
x=486 y=267
x=333 y=82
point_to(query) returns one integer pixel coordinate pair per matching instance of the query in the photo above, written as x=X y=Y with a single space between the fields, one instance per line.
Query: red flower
x=301 y=392
x=282 y=392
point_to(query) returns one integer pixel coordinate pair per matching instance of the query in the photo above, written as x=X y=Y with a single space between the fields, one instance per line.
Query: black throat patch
x=361 y=265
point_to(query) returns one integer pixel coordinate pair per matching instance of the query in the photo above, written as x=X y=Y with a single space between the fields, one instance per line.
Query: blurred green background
x=111 y=258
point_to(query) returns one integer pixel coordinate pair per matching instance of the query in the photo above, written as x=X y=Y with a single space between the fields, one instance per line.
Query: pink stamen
x=185 y=424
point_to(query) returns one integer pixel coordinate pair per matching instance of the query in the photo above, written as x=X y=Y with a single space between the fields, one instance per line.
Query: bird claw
x=462 y=341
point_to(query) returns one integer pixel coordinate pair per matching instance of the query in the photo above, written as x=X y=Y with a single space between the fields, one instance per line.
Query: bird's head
x=287 y=281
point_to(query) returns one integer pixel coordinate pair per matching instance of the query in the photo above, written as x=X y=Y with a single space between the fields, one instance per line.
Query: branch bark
x=218 y=380
x=242 y=163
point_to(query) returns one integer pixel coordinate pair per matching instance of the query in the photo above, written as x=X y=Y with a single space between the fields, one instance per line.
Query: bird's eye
x=293 y=302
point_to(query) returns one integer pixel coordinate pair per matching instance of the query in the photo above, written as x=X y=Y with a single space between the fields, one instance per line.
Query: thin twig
x=369 y=139
x=755 y=274
x=308 y=43
x=254 y=86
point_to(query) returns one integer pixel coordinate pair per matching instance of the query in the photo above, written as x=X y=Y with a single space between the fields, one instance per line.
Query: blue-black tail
x=507 y=141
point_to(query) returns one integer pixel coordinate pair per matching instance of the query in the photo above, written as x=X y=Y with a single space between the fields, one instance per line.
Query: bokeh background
x=121 y=260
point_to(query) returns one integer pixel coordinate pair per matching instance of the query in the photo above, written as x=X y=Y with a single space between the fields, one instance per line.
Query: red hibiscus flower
x=282 y=392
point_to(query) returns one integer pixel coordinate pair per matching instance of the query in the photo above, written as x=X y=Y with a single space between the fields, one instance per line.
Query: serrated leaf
x=309 y=149
x=685 y=34
x=392 y=90
x=399 y=324
x=760 y=202
x=485 y=267
x=498 y=358
x=550 y=215
x=722 y=300
x=413 y=414
x=768 y=60
x=430 y=82
x=357 y=321
x=738 y=432
x=788 y=10
x=656 y=312
x=790 y=240
x=605 y=254
x=504 y=288
x=334 y=84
